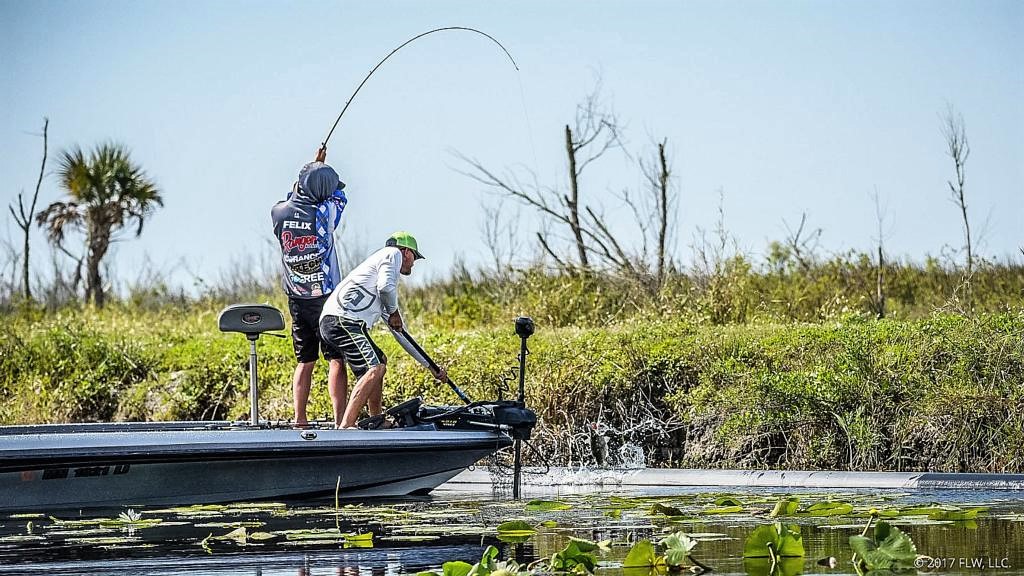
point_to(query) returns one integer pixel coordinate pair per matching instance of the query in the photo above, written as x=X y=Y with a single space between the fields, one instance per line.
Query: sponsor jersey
x=304 y=224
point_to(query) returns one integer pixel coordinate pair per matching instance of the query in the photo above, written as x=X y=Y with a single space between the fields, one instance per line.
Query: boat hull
x=72 y=468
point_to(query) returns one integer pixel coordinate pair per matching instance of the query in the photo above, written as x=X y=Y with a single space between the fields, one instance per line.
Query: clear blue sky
x=787 y=107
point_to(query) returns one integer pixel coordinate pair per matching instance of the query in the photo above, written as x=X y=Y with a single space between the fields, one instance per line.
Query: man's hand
x=441 y=374
x=321 y=154
x=395 y=321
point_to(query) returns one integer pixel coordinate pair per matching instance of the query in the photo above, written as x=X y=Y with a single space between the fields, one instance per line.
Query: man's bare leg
x=300 y=390
x=369 y=384
x=337 y=386
x=373 y=403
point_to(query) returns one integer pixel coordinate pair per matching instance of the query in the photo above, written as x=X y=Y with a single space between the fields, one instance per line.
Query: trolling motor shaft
x=524 y=329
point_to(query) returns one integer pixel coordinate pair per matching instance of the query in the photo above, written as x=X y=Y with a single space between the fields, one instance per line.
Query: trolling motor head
x=524 y=327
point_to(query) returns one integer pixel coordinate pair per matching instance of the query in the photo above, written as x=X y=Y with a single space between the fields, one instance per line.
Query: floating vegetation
x=887 y=549
x=103 y=541
x=773 y=541
x=643 y=555
x=785 y=507
x=708 y=536
x=735 y=509
x=454 y=530
x=659 y=508
x=252 y=524
x=827 y=509
x=516 y=528
x=546 y=506
x=21 y=538
x=638 y=534
x=409 y=538
x=577 y=557
x=81 y=532
x=134 y=521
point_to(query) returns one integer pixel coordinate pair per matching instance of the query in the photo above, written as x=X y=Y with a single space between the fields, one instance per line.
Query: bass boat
x=409 y=450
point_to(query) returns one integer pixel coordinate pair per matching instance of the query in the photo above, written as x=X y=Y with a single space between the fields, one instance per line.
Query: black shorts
x=353 y=340
x=306 y=329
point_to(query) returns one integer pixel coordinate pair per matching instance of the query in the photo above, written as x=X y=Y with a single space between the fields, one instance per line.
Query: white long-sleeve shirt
x=370 y=293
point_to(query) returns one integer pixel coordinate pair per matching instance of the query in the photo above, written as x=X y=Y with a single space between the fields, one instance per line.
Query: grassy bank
x=941 y=392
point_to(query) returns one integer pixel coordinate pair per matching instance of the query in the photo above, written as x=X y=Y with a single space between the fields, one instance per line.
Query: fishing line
x=403 y=45
x=529 y=126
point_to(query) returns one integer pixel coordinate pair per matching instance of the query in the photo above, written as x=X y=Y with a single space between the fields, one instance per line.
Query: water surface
x=457 y=523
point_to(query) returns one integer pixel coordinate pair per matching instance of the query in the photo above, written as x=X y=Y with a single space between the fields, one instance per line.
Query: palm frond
x=58 y=217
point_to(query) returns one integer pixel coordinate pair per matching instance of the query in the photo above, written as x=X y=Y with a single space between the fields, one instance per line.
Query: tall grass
x=738 y=365
x=735 y=292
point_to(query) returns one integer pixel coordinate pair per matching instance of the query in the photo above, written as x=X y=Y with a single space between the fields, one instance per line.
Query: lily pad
x=771 y=540
x=958 y=514
x=785 y=507
x=642 y=555
x=310 y=543
x=410 y=538
x=103 y=541
x=590 y=545
x=572 y=559
x=516 y=528
x=546 y=506
x=457 y=568
x=888 y=549
x=723 y=510
x=827 y=509
x=21 y=538
x=230 y=524
x=659 y=508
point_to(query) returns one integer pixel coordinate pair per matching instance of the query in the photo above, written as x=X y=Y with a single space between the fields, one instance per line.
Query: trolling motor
x=252 y=320
x=509 y=416
x=524 y=329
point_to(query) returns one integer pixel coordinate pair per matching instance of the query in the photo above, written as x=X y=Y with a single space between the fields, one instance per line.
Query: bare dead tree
x=499 y=235
x=880 y=275
x=803 y=249
x=658 y=175
x=955 y=132
x=710 y=256
x=24 y=217
x=595 y=132
x=605 y=245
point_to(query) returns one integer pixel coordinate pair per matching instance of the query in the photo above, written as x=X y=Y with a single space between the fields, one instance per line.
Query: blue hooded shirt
x=304 y=224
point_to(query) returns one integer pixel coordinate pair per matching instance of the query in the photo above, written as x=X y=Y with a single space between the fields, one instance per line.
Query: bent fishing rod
x=392 y=53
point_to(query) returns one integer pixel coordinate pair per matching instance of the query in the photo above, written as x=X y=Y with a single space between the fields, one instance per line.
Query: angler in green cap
x=370 y=293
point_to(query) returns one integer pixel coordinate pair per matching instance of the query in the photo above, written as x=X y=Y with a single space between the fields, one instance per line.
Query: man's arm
x=387 y=286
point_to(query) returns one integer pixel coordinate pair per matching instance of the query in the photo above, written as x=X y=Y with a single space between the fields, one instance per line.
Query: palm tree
x=106 y=193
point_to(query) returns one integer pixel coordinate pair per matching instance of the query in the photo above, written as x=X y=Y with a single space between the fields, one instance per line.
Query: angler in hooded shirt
x=370 y=293
x=304 y=224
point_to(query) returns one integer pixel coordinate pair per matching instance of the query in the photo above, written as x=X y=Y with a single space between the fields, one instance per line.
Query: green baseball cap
x=405 y=240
